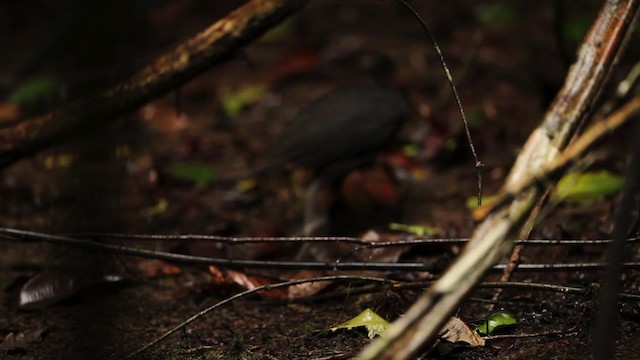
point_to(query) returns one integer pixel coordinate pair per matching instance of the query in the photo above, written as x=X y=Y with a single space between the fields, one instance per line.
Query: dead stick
x=213 y=45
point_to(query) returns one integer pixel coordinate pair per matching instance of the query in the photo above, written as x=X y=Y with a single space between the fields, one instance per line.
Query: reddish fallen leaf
x=152 y=268
x=163 y=117
x=367 y=190
x=9 y=112
x=305 y=290
x=249 y=282
x=295 y=63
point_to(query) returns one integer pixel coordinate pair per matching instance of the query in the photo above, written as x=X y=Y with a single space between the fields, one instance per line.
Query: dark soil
x=508 y=61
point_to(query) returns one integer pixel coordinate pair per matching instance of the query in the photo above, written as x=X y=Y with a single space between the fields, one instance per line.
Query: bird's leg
x=316 y=222
x=315 y=212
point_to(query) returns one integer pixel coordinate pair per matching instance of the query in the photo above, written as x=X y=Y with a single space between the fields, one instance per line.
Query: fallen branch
x=215 y=44
x=602 y=45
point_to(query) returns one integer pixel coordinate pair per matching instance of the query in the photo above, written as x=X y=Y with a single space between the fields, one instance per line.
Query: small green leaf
x=235 y=102
x=588 y=187
x=373 y=322
x=498 y=13
x=418 y=230
x=574 y=28
x=196 y=172
x=475 y=117
x=472 y=201
x=159 y=208
x=40 y=88
x=410 y=150
x=495 y=321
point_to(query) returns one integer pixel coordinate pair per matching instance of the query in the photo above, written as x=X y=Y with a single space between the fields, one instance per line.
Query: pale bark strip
x=213 y=45
x=418 y=329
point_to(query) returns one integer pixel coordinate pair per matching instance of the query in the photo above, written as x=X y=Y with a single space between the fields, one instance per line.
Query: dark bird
x=344 y=127
x=339 y=131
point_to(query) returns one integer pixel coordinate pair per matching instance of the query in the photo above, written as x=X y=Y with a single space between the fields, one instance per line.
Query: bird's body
x=337 y=132
x=342 y=126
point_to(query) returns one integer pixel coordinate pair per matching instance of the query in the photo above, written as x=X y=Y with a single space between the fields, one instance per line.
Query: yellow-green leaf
x=495 y=321
x=40 y=88
x=588 y=187
x=375 y=324
x=472 y=201
x=159 y=208
x=235 y=102
x=418 y=230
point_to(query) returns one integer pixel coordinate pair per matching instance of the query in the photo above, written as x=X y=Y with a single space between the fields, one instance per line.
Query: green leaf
x=196 y=172
x=410 y=150
x=373 y=322
x=495 y=321
x=418 y=230
x=498 y=13
x=38 y=89
x=574 y=28
x=472 y=201
x=588 y=187
x=159 y=208
x=235 y=102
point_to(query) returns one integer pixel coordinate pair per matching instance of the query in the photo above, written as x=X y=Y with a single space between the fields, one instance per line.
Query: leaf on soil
x=374 y=324
x=411 y=150
x=472 y=201
x=455 y=330
x=58 y=161
x=53 y=286
x=306 y=290
x=500 y=13
x=193 y=171
x=152 y=268
x=9 y=112
x=249 y=282
x=163 y=117
x=235 y=102
x=390 y=254
x=38 y=89
x=367 y=190
x=495 y=321
x=159 y=208
x=246 y=185
x=588 y=187
x=21 y=340
x=418 y=230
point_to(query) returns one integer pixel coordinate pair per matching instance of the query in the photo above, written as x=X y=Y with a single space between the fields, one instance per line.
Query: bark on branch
x=211 y=46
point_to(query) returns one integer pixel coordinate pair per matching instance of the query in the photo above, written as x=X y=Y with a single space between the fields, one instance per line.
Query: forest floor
x=508 y=61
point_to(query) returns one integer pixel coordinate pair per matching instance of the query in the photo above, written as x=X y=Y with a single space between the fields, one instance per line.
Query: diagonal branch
x=211 y=46
x=492 y=239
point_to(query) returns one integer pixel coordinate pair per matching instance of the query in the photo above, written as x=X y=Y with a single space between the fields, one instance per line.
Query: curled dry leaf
x=309 y=289
x=53 y=286
x=249 y=282
x=455 y=330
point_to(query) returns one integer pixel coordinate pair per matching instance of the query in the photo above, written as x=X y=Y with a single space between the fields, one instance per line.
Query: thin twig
x=14 y=234
x=405 y=241
x=478 y=164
